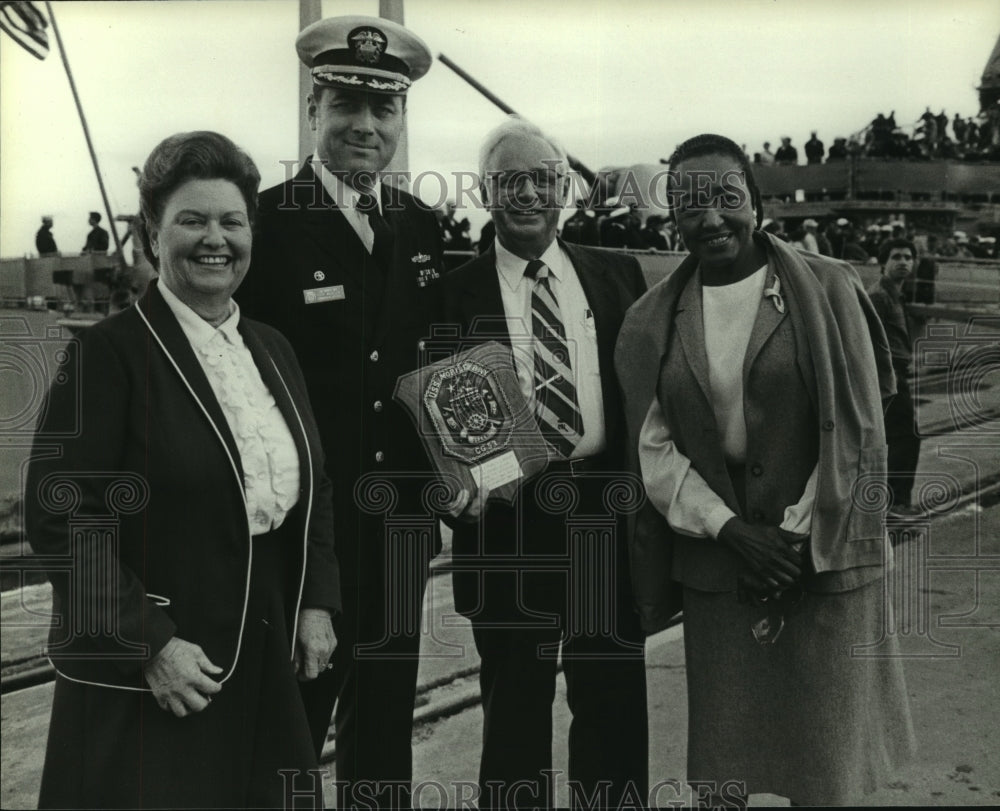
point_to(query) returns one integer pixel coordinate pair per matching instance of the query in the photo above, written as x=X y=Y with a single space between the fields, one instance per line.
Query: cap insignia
x=368 y=43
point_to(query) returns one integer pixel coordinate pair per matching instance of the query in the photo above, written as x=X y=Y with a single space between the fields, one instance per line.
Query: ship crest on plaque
x=469 y=410
x=474 y=421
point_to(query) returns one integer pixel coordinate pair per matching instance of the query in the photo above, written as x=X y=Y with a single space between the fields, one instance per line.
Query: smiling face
x=525 y=187
x=715 y=214
x=355 y=131
x=203 y=242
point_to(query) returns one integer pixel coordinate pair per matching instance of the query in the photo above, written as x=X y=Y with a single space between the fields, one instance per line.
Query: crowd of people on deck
x=972 y=138
x=260 y=509
x=842 y=238
x=607 y=226
x=620 y=226
x=837 y=237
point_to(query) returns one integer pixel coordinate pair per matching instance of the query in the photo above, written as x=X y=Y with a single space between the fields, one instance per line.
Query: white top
x=581 y=335
x=678 y=491
x=728 y=313
x=346 y=199
x=267 y=449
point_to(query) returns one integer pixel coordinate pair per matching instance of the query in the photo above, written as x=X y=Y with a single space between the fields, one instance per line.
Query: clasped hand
x=180 y=677
x=772 y=555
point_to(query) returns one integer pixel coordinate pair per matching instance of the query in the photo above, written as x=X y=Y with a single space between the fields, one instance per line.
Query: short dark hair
x=711 y=144
x=199 y=155
x=95 y=215
x=887 y=247
x=317 y=92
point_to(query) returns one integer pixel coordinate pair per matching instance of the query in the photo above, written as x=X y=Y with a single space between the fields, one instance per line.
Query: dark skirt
x=805 y=718
x=110 y=748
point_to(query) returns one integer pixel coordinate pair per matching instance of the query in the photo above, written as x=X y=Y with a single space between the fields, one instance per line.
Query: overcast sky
x=617 y=81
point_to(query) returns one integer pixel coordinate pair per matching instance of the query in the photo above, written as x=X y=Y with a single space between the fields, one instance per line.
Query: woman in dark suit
x=176 y=488
x=754 y=378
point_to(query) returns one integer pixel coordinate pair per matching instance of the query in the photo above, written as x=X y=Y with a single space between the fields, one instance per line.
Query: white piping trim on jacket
x=99 y=683
x=239 y=484
x=305 y=533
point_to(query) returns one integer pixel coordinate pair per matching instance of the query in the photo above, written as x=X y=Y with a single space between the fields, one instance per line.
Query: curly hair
x=711 y=144
x=200 y=155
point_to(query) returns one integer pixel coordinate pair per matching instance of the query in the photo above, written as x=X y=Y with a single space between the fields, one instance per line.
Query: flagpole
x=309 y=12
x=86 y=133
x=400 y=163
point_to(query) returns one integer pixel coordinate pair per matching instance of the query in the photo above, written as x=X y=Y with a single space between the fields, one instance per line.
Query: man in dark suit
x=45 y=243
x=786 y=154
x=97 y=238
x=550 y=573
x=347 y=267
x=814 y=149
x=901 y=432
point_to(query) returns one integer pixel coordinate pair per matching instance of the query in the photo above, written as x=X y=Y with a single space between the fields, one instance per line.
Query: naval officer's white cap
x=370 y=54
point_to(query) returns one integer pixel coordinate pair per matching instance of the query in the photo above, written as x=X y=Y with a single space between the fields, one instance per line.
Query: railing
x=877 y=178
x=29 y=282
x=966 y=283
x=48 y=280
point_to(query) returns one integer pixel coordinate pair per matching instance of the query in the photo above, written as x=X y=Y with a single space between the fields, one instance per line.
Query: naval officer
x=347 y=267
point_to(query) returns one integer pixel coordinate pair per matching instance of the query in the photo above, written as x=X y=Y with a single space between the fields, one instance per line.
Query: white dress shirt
x=581 y=336
x=346 y=199
x=267 y=450
x=676 y=489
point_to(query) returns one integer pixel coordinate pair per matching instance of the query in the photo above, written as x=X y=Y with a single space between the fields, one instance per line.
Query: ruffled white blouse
x=267 y=449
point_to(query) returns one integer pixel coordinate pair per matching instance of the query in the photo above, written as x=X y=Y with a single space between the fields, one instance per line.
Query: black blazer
x=473 y=301
x=132 y=404
x=360 y=333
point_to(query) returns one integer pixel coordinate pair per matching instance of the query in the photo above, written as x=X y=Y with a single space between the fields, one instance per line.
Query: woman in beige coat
x=754 y=378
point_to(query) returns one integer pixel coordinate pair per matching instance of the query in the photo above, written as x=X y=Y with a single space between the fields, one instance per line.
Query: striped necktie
x=557 y=409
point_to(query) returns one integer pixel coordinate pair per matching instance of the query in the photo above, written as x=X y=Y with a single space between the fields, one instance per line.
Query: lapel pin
x=774 y=293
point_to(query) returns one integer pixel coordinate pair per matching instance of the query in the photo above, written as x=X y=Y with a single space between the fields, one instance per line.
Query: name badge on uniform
x=317 y=295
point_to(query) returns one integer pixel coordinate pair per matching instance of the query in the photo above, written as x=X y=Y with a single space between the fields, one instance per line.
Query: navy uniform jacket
x=354 y=332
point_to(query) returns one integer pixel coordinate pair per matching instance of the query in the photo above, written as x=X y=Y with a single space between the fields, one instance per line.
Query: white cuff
x=716 y=519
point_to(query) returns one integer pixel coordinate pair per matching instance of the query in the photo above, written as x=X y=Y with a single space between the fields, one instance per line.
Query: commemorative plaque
x=474 y=421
